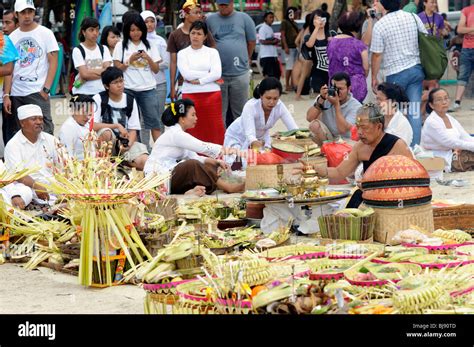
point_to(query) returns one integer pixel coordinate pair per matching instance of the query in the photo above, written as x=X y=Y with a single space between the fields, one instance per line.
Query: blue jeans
x=147 y=102
x=466 y=65
x=148 y=105
x=411 y=80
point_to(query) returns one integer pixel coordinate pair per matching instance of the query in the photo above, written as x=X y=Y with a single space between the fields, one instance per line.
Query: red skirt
x=210 y=125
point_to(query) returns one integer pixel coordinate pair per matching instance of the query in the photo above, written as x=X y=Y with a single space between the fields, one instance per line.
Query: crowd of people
x=120 y=88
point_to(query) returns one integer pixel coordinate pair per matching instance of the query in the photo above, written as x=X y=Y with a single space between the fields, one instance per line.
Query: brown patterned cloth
x=192 y=173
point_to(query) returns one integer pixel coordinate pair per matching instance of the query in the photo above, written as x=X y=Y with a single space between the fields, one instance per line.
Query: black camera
x=332 y=91
x=140 y=51
x=372 y=13
x=123 y=141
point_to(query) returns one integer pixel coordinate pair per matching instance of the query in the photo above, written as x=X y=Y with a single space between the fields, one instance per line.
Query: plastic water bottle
x=78 y=83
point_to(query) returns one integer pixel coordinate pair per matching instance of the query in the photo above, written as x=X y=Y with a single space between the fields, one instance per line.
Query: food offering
x=439 y=241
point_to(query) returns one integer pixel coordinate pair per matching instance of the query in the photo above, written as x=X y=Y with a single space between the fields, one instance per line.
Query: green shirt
x=410 y=7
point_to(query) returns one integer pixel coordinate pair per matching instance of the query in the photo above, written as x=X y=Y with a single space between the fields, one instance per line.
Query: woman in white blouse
x=201 y=68
x=260 y=114
x=445 y=136
x=176 y=152
x=391 y=98
x=139 y=62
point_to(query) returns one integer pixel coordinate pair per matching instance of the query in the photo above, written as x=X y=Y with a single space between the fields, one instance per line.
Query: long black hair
x=319 y=13
x=137 y=20
x=88 y=22
x=105 y=34
x=393 y=92
x=175 y=111
x=268 y=83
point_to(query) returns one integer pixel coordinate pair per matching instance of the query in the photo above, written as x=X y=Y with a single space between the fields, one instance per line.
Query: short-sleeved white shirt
x=138 y=76
x=132 y=123
x=396 y=36
x=29 y=74
x=93 y=60
x=266 y=33
x=72 y=135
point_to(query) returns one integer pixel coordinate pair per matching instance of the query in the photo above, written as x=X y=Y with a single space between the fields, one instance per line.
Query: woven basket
x=166 y=208
x=160 y=303
x=265 y=176
x=299 y=142
x=389 y=221
x=455 y=217
x=346 y=228
x=154 y=243
x=190 y=262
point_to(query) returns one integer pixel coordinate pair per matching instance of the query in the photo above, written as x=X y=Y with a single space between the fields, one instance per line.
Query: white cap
x=27 y=111
x=147 y=14
x=20 y=5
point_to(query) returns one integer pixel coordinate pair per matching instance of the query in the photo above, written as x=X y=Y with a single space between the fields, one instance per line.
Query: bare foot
x=230 y=187
x=299 y=98
x=198 y=190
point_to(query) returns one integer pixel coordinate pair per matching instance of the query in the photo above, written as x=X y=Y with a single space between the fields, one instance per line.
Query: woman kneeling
x=176 y=152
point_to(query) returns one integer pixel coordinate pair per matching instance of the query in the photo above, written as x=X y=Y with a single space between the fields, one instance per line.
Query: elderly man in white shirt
x=31 y=147
x=395 y=40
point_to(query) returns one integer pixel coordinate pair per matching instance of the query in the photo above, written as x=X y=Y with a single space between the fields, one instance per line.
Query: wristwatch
x=318 y=105
x=46 y=90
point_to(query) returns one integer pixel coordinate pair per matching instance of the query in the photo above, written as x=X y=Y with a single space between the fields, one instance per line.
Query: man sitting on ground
x=373 y=144
x=31 y=147
x=334 y=111
x=116 y=119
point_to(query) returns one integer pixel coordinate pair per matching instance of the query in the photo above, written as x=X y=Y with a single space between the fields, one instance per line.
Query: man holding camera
x=116 y=119
x=334 y=110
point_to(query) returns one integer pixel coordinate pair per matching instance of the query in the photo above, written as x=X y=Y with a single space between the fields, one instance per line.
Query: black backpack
x=74 y=70
x=106 y=115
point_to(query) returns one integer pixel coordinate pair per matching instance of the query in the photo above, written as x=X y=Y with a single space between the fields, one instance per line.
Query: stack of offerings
x=398 y=189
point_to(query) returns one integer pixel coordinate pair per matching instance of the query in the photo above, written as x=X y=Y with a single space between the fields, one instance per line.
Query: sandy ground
x=47 y=291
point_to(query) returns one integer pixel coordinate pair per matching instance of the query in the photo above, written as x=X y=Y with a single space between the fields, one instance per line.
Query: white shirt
x=400 y=126
x=72 y=135
x=132 y=123
x=138 y=75
x=161 y=45
x=266 y=33
x=21 y=153
x=93 y=60
x=396 y=36
x=442 y=141
x=203 y=64
x=29 y=74
x=251 y=126
x=174 y=146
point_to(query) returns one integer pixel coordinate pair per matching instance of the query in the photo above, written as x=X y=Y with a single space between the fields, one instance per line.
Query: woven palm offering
x=348 y=224
x=7 y=177
x=108 y=235
x=396 y=181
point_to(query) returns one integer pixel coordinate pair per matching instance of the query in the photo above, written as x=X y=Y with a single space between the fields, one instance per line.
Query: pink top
x=468 y=41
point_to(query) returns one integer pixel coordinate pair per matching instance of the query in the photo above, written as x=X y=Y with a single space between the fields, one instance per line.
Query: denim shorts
x=148 y=104
x=466 y=65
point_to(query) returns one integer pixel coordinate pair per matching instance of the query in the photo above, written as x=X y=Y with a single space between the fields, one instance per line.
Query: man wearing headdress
x=373 y=144
x=179 y=38
x=32 y=147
